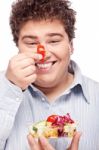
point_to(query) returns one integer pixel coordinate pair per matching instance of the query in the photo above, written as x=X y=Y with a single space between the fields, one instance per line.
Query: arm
x=10 y=99
x=19 y=75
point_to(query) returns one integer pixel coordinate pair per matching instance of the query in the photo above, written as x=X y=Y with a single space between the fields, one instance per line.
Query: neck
x=55 y=91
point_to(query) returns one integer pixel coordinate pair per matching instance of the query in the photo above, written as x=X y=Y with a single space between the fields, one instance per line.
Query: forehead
x=43 y=27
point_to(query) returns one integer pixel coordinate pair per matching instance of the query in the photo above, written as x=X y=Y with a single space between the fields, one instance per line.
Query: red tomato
x=41 y=50
x=52 y=118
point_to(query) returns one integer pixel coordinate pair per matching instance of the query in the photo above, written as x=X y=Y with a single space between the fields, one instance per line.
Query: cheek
x=64 y=54
x=23 y=48
x=64 y=51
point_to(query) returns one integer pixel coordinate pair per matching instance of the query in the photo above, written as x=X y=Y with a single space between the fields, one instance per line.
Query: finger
x=29 y=70
x=45 y=144
x=30 y=79
x=22 y=63
x=34 y=56
x=21 y=56
x=26 y=62
x=75 y=141
x=32 y=142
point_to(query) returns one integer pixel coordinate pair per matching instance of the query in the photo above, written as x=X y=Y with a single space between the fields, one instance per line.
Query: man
x=31 y=89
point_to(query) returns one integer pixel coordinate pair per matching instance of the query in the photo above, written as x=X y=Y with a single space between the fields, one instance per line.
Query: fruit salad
x=54 y=126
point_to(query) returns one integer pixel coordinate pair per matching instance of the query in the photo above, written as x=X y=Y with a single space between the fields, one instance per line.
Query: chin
x=45 y=84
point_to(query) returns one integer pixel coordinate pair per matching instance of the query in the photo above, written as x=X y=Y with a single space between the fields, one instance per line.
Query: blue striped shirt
x=18 y=110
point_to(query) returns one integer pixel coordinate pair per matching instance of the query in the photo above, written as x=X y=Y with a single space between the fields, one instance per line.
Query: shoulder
x=91 y=86
x=2 y=73
x=90 y=82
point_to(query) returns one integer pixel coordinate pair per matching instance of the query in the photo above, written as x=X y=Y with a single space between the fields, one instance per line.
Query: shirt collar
x=79 y=79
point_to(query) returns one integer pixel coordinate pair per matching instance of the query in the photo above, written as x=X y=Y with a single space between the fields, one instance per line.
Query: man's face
x=52 y=35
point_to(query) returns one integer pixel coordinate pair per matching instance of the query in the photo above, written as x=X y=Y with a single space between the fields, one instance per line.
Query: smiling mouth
x=45 y=65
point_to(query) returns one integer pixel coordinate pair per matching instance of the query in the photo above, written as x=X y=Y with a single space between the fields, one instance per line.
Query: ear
x=71 y=48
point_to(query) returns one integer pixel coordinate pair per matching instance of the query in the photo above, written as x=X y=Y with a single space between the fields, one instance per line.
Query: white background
x=86 y=43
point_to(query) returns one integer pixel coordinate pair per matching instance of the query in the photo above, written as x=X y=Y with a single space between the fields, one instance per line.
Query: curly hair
x=37 y=10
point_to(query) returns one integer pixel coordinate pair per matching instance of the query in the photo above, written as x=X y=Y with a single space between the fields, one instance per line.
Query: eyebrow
x=29 y=36
x=36 y=37
x=54 y=34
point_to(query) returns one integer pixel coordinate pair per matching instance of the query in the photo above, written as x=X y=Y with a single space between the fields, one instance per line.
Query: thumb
x=45 y=144
x=75 y=141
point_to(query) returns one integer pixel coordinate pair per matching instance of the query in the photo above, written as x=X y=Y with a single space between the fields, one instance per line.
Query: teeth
x=44 y=65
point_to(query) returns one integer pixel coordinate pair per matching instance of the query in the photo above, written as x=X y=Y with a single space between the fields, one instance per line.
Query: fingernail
x=38 y=56
x=43 y=140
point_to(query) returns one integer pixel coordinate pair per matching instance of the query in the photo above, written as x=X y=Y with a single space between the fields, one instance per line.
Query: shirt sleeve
x=11 y=97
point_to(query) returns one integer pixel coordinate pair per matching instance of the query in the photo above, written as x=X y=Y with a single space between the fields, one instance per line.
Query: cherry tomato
x=52 y=118
x=41 y=50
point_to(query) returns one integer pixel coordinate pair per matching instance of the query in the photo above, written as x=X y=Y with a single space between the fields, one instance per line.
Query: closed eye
x=56 y=41
x=31 y=43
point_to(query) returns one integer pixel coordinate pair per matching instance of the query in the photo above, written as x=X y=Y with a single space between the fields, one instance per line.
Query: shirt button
x=17 y=99
x=43 y=99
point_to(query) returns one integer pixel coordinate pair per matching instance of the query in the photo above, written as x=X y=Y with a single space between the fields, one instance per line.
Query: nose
x=47 y=51
x=44 y=51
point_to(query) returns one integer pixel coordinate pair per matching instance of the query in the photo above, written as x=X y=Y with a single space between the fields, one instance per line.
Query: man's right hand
x=21 y=69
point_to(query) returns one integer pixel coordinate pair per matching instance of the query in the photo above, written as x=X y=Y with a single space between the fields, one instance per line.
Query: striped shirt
x=18 y=110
